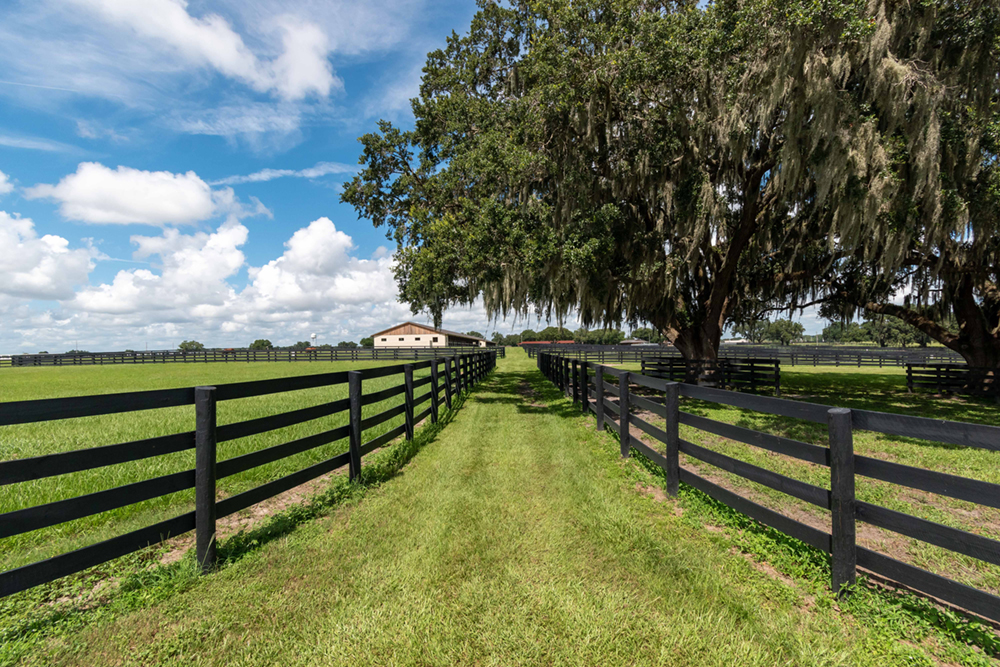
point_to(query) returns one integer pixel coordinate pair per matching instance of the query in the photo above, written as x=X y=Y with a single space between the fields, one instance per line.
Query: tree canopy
x=655 y=162
x=784 y=331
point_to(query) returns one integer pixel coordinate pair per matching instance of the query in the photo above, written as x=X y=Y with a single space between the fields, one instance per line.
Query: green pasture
x=30 y=440
x=870 y=389
x=514 y=536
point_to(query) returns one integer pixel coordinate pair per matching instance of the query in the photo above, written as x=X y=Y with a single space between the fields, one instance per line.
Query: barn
x=412 y=334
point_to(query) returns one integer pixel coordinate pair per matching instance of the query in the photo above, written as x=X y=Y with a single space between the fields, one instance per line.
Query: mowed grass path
x=516 y=537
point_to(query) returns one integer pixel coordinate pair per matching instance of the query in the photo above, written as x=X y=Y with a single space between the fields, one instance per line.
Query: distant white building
x=412 y=334
x=635 y=341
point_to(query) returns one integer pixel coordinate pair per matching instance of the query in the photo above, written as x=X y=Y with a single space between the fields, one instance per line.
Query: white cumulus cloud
x=6 y=186
x=317 y=270
x=194 y=269
x=100 y=195
x=210 y=41
x=34 y=267
x=192 y=285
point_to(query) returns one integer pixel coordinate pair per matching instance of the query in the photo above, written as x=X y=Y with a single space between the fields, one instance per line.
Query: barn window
x=384 y=339
x=401 y=338
x=417 y=338
x=434 y=340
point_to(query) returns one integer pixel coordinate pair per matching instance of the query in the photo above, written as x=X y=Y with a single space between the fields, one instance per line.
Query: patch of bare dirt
x=528 y=392
x=653 y=492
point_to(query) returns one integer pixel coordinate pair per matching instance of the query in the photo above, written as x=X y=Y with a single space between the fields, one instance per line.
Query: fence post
x=671 y=401
x=434 y=391
x=842 y=499
x=599 y=396
x=354 y=393
x=408 y=399
x=447 y=382
x=623 y=431
x=574 y=382
x=584 y=390
x=204 y=477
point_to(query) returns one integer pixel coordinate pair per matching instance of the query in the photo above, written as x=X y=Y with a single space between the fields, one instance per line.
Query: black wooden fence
x=240 y=355
x=585 y=383
x=751 y=374
x=792 y=355
x=458 y=375
x=953 y=379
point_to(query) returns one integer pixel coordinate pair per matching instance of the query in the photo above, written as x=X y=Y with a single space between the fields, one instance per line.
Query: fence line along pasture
x=791 y=355
x=953 y=378
x=584 y=382
x=459 y=373
x=239 y=355
x=752 y=374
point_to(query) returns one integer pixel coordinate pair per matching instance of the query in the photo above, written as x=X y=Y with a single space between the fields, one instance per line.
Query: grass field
x=870 y=389
x=29 y=440
x=515 y=536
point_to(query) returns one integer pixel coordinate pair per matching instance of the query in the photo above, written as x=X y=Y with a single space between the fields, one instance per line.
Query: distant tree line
x=265 y=344
x=783 y=331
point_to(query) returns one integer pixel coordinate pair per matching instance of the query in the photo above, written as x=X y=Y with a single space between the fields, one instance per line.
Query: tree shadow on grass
x=522 y=390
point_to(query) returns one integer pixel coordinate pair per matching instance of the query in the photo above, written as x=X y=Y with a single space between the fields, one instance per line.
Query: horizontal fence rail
x=953 y=379
x=240 y=355
x=452 y=375
x=791 y=354
x=612 y=403
x=751 y=374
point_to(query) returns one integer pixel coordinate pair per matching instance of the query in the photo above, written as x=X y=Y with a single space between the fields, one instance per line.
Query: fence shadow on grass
x=142 y=579
x=796 y=546
x=885 y=393
x=813 y=565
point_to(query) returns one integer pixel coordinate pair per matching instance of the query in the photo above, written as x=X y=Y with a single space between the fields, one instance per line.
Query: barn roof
x=430 y=329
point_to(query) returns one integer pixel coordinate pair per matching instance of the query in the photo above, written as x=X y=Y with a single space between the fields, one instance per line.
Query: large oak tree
x=651 y=161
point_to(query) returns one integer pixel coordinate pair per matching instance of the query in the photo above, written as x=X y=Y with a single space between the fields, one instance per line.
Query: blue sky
x=171 y=169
